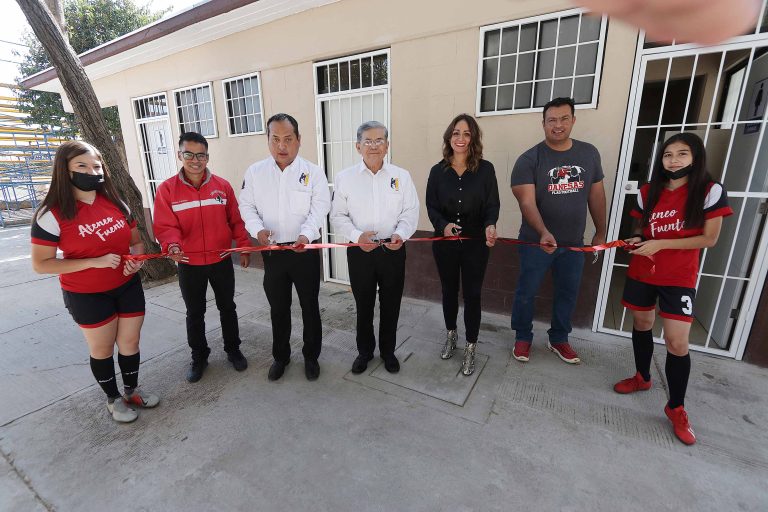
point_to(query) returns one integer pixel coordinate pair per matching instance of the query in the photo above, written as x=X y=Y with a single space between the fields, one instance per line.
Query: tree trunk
x=78 y=88
x=57 y=11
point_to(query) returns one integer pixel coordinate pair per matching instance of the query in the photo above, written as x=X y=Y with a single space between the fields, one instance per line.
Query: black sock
x=642 y=344
x=129 y=367
x=104 y=371
x=677 y=368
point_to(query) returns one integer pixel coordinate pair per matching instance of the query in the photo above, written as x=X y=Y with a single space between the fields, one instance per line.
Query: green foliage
x=90 y=23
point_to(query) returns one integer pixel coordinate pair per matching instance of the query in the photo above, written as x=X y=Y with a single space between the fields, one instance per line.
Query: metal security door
x=719 y=93
x=158 y=150
x=349 y=92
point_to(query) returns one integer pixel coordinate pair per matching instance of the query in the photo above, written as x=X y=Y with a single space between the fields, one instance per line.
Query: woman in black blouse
x=463 y=198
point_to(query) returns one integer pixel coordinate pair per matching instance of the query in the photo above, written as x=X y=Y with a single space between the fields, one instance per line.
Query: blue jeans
x=567 y=267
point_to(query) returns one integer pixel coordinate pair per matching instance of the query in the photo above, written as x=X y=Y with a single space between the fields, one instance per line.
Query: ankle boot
x=468 y=365
x=450 y=345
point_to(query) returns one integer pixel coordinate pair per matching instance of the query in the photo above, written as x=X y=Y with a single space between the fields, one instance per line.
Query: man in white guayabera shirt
x=375 y=204
x=284 y=201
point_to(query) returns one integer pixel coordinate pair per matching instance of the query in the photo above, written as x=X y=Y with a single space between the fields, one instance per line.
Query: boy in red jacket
x=196 y=212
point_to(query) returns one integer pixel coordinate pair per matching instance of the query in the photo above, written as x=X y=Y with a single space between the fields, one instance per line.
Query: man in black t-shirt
x=555 y=182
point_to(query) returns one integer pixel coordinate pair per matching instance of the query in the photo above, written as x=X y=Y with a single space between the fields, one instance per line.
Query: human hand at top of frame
x=697 y=21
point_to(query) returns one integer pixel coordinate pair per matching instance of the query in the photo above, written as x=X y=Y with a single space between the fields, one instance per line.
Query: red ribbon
x=262 y=248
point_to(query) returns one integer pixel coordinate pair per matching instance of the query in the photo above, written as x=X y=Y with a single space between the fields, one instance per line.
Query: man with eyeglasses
x=375 y=205
x=196 y=212
x=284 y=201
x=555 y=182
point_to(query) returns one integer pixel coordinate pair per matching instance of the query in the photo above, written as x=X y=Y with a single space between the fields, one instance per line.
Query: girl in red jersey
x=83 y=217
x=678 y=213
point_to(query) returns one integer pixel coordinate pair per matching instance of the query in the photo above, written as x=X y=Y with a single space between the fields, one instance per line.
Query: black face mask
x=87 y=182
x=680 y=173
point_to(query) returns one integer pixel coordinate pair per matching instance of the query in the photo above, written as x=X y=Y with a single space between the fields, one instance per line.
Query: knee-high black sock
x=642 y=344
x=129 y=367
x=104 y=371
x=677 y=369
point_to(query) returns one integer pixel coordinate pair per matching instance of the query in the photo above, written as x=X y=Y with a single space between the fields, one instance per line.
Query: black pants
x=193 y=281
x=386 y=269
x=282 y=270
x=462 y=261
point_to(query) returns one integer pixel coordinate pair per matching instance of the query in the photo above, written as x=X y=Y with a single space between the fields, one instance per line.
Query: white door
x=349 y=92
x=719 y=93
x=158 y=150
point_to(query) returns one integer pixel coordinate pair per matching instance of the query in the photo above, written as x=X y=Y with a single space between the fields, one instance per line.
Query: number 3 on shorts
x=688 y=308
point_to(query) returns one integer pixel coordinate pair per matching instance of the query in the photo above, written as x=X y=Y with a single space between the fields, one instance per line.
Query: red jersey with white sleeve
x=97 y=229
x=674 y=267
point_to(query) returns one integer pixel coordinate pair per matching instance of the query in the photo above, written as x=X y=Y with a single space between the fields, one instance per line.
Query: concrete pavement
x=536 y=436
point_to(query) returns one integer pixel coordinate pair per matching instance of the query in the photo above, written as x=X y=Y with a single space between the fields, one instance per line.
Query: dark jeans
x=462 y=261
x=193 y=281
x=282 y=271
x=567 y=267
x=386 y=269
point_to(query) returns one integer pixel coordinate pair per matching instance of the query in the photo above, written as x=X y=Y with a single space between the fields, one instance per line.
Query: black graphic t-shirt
x=563 y=180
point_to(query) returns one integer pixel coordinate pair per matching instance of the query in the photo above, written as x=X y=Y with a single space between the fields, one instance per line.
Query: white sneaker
x=141 y=398
x=121 y=412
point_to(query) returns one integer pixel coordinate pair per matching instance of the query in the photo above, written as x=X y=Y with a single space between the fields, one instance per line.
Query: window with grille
x=151 y=106
x=244 y=107
x=524 y=64
x=194 y=106
x=351 y=73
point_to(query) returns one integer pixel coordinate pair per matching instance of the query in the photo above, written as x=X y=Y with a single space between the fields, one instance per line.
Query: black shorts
x=675 y=302
x=91 y=310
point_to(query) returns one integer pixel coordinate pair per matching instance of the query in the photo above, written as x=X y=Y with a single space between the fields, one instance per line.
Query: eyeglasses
x=373 y=143
x=200 y=157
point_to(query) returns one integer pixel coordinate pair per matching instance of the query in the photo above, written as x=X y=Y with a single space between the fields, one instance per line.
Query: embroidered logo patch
x=394 y=184
x=304 y=179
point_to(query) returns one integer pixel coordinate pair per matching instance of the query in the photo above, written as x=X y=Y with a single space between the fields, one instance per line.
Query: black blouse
x=471 y=201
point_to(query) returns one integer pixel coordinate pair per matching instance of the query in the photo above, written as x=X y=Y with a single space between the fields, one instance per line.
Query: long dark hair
x=698 y=179
x=60 y=193
x=475 y=145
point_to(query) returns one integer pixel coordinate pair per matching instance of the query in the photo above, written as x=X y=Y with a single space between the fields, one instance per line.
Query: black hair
x=559 y=102
x=284 y=117
x=193 y=137
x=698 y=179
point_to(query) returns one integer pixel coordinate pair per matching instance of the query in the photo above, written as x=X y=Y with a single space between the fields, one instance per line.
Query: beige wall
x=433 y=59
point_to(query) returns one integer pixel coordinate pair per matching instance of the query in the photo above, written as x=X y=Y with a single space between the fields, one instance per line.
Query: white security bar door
x=719 y=93
x=349 y=92
x=158 y=149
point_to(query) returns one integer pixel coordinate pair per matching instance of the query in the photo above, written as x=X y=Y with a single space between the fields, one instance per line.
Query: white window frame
x=536 y=19
x=224 y=83
x=176 y=107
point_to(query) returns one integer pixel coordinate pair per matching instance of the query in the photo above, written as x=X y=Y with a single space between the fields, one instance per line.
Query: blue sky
x=13 y=23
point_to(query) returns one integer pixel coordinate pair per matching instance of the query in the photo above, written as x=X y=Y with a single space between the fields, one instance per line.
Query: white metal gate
x=720 y=93
x=158 y=150
x=348 y=91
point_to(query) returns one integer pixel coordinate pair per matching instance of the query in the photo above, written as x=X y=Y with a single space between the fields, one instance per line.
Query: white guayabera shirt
x=288 y=203
x=385 y=202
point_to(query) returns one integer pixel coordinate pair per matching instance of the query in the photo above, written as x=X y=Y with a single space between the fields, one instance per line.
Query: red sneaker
x=632 y=384
x=679 y=419
x=564 y=352
x=522 y=351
